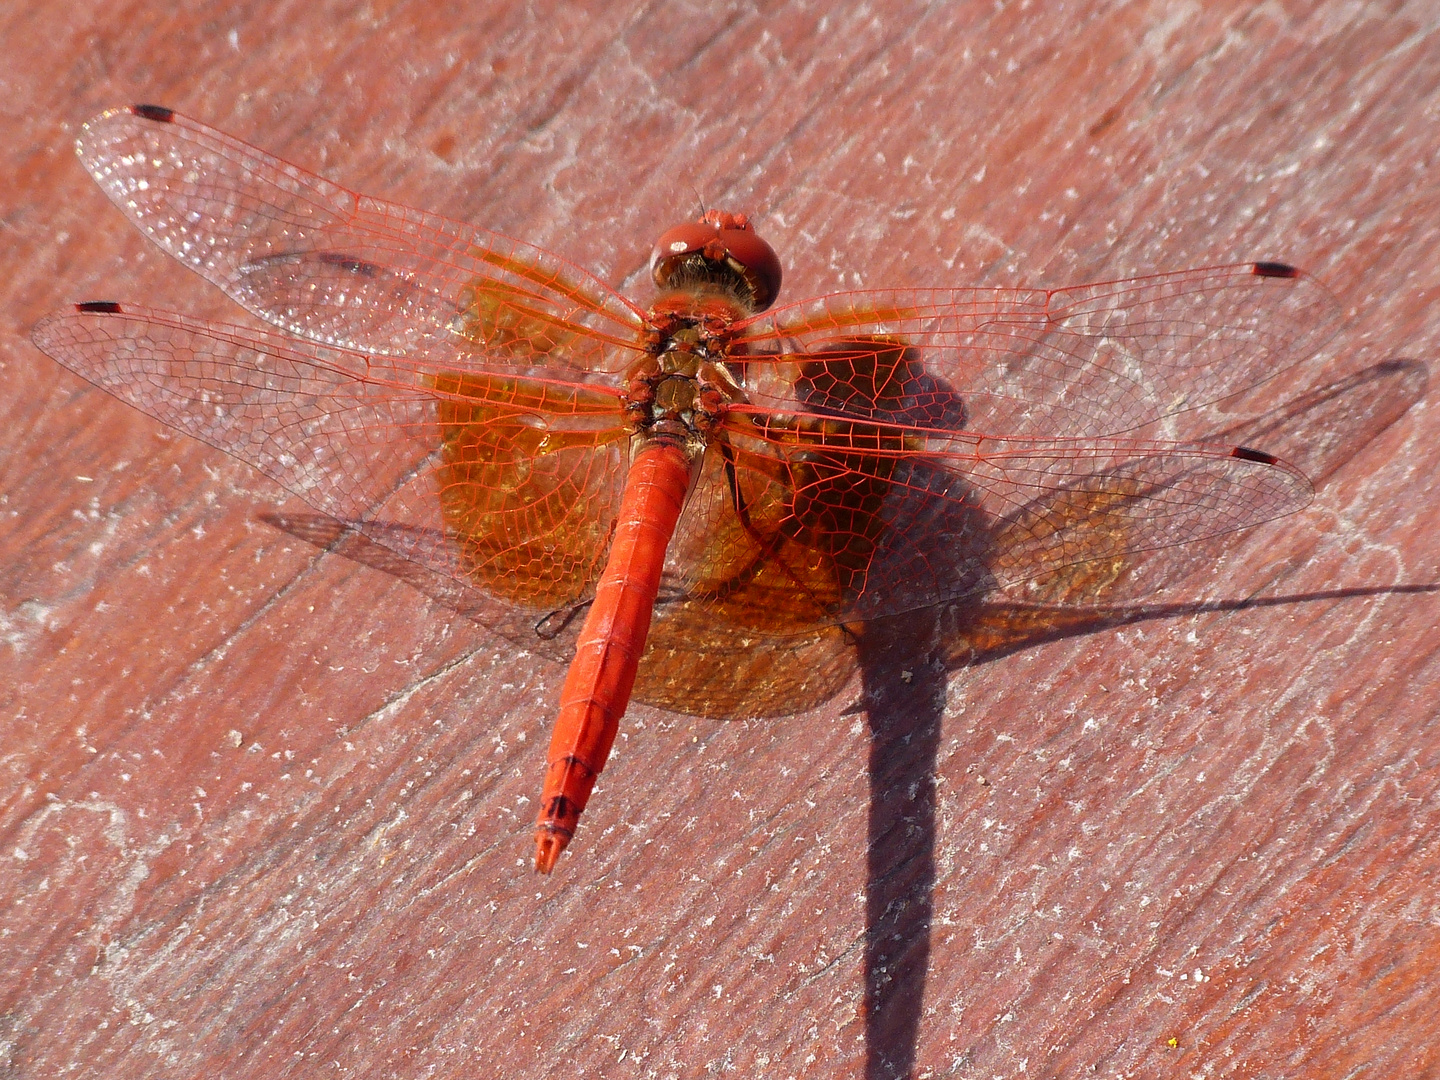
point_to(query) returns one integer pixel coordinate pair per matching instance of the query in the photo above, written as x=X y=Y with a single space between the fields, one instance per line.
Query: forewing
x=349 y=270
x=898 y=450
x=506 y=482
x=1093 y=360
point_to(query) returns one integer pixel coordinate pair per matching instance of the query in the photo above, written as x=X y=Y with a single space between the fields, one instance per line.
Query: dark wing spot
x=98 y=307
x=1275 y=269
x=158 y=113
x=1244 y=453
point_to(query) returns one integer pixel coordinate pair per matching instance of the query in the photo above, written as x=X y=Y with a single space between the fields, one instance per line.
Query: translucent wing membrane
x=901 y=449
x=796 y=521
x=511 y=484
x=1093 y=360
x=815 y=520
x=348 y=270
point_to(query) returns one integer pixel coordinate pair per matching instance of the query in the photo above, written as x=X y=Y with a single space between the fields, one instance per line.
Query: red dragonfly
x=703 y=477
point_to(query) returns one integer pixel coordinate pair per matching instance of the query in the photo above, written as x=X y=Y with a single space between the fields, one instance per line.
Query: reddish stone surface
x=266 y=812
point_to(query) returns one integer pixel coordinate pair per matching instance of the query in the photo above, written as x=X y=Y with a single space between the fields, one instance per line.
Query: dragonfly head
x=719 y=249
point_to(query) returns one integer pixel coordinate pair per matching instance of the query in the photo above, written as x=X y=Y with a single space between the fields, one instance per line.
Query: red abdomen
x=597 y=688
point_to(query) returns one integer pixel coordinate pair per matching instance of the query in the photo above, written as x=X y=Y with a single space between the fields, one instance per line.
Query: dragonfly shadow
x=905 y=664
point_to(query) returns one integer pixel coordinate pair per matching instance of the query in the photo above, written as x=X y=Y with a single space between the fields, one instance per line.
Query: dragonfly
x=677 y=493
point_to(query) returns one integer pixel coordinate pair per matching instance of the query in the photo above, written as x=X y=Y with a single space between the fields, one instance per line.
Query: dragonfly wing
x=819 y=522
x=1093 y=360
x=348 y=270
x=483 y=477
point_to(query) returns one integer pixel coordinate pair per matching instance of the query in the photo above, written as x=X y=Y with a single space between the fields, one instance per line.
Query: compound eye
x=726 y=239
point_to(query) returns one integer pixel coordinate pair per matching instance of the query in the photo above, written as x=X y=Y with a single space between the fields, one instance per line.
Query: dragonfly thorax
x=682 y=386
